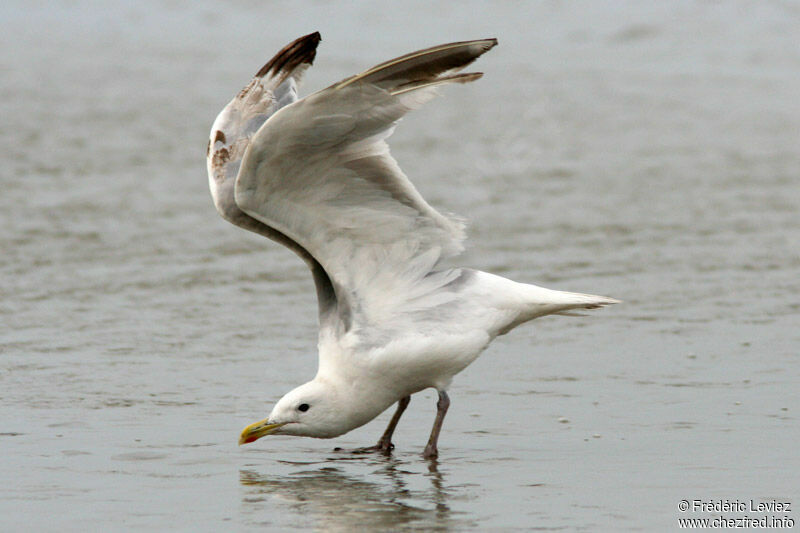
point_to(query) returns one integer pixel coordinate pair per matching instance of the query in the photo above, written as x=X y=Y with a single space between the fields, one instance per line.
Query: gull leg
x=385 y=442
x=431 y=450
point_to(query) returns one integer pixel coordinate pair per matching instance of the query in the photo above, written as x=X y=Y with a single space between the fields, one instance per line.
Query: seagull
x=315 y=175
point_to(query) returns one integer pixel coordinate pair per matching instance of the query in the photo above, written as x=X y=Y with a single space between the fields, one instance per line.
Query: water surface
x=646 y=152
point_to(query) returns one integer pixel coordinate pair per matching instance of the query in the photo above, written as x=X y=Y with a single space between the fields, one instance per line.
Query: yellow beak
x=257 y=430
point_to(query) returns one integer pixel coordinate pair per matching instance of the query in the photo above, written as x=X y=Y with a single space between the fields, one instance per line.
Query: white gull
x=315 y=175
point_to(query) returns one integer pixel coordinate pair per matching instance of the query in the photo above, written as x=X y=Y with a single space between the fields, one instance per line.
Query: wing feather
x=273 y=87
x=319 y=172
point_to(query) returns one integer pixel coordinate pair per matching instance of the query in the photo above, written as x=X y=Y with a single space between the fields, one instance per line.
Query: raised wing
x=273 y=87
x=319 y=172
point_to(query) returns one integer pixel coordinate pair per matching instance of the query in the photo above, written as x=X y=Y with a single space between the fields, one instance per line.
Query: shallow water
x=646 y=152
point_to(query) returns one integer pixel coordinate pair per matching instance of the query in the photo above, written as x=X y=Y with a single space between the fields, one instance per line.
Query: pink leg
x=431 y=449
x=385 y=442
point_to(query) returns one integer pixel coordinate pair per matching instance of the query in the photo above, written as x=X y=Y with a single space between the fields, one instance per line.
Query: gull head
x=310 y=410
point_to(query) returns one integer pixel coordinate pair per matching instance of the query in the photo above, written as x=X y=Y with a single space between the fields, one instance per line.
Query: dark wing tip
x=423 y=67
x=485 y=44
x=302 y=50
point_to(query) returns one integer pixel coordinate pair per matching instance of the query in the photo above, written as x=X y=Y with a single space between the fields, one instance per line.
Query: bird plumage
x=315 y=174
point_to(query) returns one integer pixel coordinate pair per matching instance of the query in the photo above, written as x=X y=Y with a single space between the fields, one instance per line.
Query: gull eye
x=303 y=407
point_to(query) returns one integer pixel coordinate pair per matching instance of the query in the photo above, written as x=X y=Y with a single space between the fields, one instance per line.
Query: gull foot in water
x=385 y=445
x=382 y=447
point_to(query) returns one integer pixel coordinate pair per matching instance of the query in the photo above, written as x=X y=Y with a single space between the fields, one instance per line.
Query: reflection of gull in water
x=315 y=175
x=391 y=498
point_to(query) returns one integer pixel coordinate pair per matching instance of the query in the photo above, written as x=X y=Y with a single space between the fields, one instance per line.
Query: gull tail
x=533 y=301
x=541 y=302
x=585 y=301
